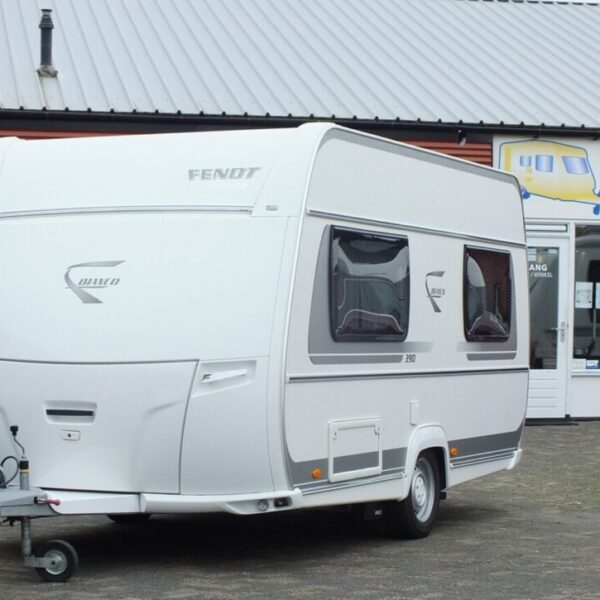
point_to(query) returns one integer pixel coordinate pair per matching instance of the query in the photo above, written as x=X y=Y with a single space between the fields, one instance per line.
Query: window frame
x=332 y=317
x=478 y=337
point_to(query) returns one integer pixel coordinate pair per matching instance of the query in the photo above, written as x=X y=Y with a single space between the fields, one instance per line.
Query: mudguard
x=423 y=438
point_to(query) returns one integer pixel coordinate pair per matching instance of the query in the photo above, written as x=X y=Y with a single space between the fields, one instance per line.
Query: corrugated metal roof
x=470 y=61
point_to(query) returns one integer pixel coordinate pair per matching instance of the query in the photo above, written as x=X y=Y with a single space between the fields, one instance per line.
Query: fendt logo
x=91 y=282
x=434 y=292
x=223 y=173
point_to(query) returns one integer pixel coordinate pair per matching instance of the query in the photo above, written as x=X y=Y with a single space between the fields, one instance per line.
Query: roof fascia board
x=140 y=122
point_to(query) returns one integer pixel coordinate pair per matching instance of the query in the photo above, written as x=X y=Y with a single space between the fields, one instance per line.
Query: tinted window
x=487 y=295
x=369 y=285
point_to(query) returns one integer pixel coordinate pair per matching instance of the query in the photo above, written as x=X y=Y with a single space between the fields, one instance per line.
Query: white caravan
x=255 y=321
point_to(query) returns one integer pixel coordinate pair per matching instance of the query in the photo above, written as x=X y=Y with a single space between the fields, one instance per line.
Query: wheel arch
x=429 y=437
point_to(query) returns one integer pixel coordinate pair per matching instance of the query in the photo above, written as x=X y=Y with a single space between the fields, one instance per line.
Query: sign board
x=559 y=177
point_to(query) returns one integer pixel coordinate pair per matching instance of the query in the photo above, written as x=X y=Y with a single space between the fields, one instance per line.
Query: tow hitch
x=55 y=560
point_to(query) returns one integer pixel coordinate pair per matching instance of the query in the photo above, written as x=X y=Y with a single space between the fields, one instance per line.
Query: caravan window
x=576 y=165
x=524 y=160
x=369 y=286
x=487 y=295
x=544 y=163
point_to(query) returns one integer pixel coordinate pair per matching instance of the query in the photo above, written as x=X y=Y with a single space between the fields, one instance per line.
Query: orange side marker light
x=316 y=473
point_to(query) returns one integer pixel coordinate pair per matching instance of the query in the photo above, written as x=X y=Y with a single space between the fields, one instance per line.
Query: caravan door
x=547 y=262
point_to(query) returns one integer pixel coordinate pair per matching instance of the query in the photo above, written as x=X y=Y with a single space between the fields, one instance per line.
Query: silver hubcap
x=422 y=490
x=59 y=562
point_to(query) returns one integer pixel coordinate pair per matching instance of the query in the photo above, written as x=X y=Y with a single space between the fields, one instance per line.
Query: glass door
x=586 y=319
x=547 y=265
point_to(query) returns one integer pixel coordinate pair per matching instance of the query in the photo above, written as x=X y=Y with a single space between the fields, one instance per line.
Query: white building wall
x=560 y=183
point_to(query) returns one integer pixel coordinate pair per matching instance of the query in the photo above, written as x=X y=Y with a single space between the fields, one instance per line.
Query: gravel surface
x=530 y=533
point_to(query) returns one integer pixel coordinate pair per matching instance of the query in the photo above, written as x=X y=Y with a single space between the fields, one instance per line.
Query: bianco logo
x=434 y=292
x=91 y=282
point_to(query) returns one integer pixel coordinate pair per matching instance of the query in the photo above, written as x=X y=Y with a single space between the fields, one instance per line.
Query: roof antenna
x=46 y=25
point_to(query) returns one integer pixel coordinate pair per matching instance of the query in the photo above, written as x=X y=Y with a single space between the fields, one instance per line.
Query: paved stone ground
x=530 y=533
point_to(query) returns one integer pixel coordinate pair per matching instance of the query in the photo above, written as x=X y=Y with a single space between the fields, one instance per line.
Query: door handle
x=221 y=375
x=561 y=329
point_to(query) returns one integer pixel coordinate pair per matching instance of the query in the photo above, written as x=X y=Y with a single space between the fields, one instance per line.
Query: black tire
x=130 y=519
x=414 y=517
x=65 y=557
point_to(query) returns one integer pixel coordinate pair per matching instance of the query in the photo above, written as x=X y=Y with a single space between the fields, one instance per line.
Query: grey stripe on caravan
x=476 y=459
x=355 y=462
x=491 y=355
x=300 y=472
x=477 y=446
x=357 y=356
x=413 y=228
x=487 y=346
x=123 y=209
x=309 y=378
x=331 y=487
x=485 y=448
x=397 y=473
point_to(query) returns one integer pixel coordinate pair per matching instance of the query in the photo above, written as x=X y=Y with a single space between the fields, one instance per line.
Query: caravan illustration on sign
x=551 y=170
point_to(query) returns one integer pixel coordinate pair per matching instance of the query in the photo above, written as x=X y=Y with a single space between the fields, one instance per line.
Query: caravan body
x=257 y=320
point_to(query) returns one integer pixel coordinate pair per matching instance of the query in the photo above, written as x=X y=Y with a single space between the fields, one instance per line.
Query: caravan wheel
x=414 y=516
x=63 y=557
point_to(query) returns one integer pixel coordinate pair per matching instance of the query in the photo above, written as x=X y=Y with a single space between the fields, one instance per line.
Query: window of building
x=369 y=286
x=587 y=293
x=487 y=295
x=542 y=265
